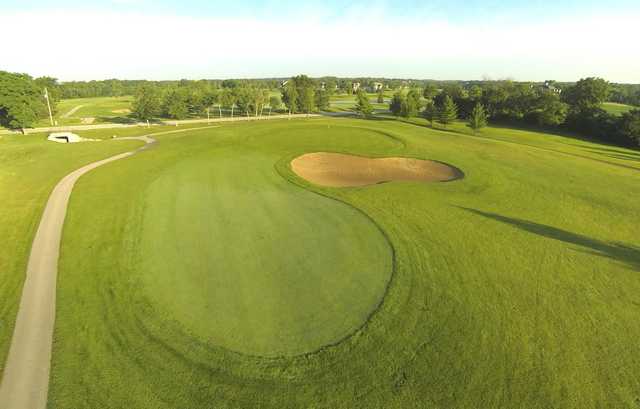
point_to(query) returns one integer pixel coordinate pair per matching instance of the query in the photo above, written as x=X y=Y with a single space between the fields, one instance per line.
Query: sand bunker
x=340 y=170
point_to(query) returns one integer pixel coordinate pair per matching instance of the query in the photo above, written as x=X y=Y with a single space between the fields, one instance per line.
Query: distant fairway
x=78 y=111
x=204 y=273
x=616 y=109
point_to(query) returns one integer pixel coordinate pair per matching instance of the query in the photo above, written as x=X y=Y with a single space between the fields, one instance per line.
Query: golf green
x=250 y=262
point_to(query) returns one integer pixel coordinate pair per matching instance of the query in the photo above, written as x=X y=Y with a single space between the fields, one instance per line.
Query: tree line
x=572 y=106
x=576 y=107
x=22 y=99
x=300 y=94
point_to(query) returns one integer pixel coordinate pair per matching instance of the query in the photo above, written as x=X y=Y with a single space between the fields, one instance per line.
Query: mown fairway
x=204 y=273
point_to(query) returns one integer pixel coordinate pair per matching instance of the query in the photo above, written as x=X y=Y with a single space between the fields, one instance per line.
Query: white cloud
x=95 y=45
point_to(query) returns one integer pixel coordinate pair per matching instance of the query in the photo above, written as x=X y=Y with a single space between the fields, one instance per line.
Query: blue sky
x=162 y=39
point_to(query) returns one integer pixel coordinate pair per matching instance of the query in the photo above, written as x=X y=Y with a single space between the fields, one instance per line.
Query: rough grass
x=30 y=167
x=514 y=287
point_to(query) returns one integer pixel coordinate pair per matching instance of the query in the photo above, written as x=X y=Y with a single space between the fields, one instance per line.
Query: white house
x=64 y=137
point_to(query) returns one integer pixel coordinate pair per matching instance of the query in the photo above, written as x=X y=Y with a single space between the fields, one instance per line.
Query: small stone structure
x=64 y=137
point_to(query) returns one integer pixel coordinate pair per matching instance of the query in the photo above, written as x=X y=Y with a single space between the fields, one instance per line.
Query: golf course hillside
x=337 y=263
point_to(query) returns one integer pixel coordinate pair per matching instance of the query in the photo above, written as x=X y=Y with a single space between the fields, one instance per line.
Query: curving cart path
x=25 y=383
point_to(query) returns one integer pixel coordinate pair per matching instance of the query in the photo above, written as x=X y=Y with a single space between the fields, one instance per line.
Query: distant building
x=549 y=86
x=355 y=86
x=376 y=86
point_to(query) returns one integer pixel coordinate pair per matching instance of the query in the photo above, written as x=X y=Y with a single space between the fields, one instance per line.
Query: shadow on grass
x=624 y=253
x=615 y=153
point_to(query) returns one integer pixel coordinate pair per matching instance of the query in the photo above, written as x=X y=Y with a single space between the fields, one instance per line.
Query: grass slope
x=30 y=167
x=615 y=108
x=514 y=287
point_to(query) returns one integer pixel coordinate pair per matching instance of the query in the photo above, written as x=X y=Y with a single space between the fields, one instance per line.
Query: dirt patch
x=87 y=120
x=341 y=170
x=121 y=111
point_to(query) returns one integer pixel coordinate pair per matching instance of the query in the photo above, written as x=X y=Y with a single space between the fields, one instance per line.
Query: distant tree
x=429 y=91
x=22 y=101
x=380 y=99
x=430 y=112
x=395 y=106
x=552 y=111
x=53 y=90
x=447 y=112
x=411 y=104
x=175 y=104
x=478 y=118
x=322 y=99
x=475 y=93
x=274 y=103
x=307 y=99
x=587 y=94
x=363 y=106
x=147 y=103
x=630 y=126
x=209 y=99
x=244 y=99
x=228 y=99
x=415 y=96
x=290 y=97
x=230 y=84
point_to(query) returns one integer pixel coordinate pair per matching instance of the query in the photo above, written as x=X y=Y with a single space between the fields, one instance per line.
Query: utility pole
x=46 y=96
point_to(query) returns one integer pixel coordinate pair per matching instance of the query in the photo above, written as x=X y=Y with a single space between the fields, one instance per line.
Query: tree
x=307 y=99
x=587 y=94
x=430 y=112
x=274 y=103
x=322 y=99
x=53 y=90
x=429 y=91
x=227 y=99
x=552 y=111
x=22 y=101
x=447 y=112
x=363 y=106
x=395 y=106
x=290 y=97
x=380 y=96
x=478 y=118
x=175 y=104
x=411 y=104
x=630 y=125
x=414 y=97
x=147 y=103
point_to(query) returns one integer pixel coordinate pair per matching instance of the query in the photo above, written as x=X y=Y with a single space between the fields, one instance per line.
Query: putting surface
x=205 y=273
x=341 y=170
x=252 y=263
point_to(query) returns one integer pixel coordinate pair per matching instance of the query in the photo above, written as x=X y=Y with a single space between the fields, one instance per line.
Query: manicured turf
x=517 y=286
x=30 y=166
x=616 y=109
x=226 y=216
